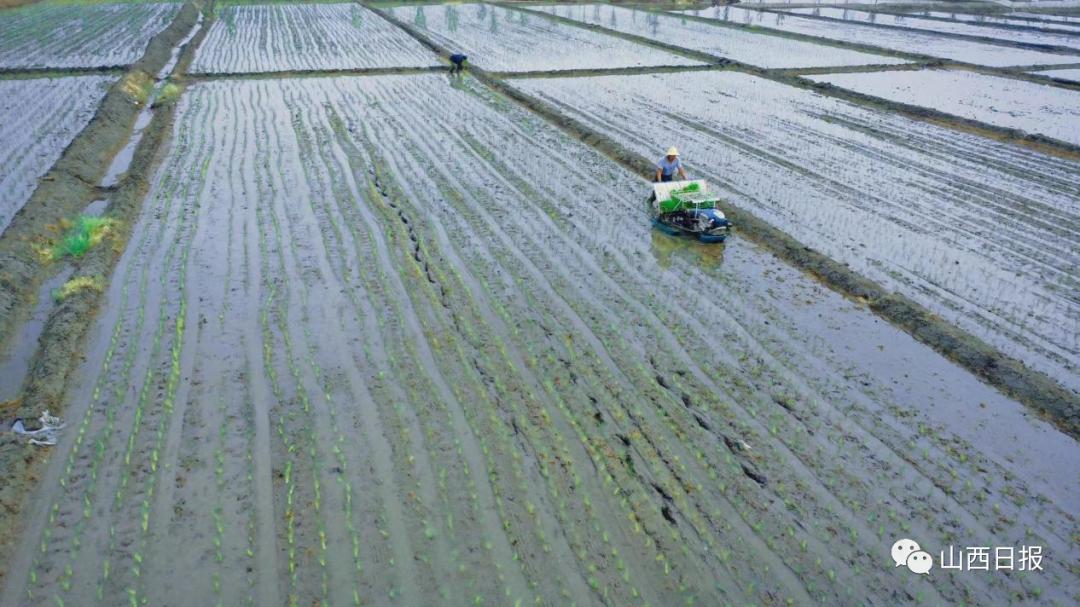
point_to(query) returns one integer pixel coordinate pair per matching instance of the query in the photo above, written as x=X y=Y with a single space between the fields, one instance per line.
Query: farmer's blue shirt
x=669 y=168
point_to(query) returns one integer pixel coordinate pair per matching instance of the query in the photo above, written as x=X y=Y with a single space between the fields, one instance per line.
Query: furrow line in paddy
x=293 y=401
x=330 y=303
x=342 y=450
x=676 y=324
x=379 y=389
x=386 y=390
x=1034 y=388
x=259 y=371
x=515 y=366
x=416 y=331
x=581 y=331
x=128 y=537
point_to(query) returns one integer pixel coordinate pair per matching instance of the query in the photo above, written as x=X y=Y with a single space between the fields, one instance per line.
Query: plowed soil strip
x=392 y=379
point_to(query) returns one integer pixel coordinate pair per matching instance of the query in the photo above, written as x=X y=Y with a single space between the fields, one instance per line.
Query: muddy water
x=1016 y=104
x=980 y=232
x=500 y=39
x=897 y=40
x=331 y=368
x=762 y=50
x=15 y=360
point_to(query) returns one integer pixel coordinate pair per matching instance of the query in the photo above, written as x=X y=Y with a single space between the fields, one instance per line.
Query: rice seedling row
x=38 y=119
x=1015 y=104
x=298 y=37
x=463 y=522
x=501 y=39
x=758 y=49
x=65 y=35
x=90 y=496
x=944 y=27
x=904 y=41
x=487 y=238
x=901 y=201
x=392 y=381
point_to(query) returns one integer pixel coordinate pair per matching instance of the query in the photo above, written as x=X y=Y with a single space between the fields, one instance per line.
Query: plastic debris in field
x=46 y=435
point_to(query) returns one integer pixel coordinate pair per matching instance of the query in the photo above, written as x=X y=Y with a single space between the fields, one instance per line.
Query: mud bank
x=68 y=188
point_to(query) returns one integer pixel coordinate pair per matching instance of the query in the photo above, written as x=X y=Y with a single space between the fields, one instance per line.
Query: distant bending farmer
x=458 y=61
x=669 y=165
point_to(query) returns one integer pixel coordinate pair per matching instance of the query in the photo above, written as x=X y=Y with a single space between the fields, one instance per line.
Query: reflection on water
x=666 y=248
x=420 y=19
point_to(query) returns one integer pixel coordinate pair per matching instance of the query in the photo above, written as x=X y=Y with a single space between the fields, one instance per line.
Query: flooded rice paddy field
x=1050 y=18
x=760 y=50
x=955 y=221
x=1064 y=40
x=898 y=40
x=63 y=35
x=287 y=37
x=1016 y=104
x=40 y=118
x=501 y=39
x=1015 y=19
x=333 y=361
x=401 y=340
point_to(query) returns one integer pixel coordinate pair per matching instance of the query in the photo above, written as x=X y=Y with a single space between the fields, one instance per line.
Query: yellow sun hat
x=672 y=151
